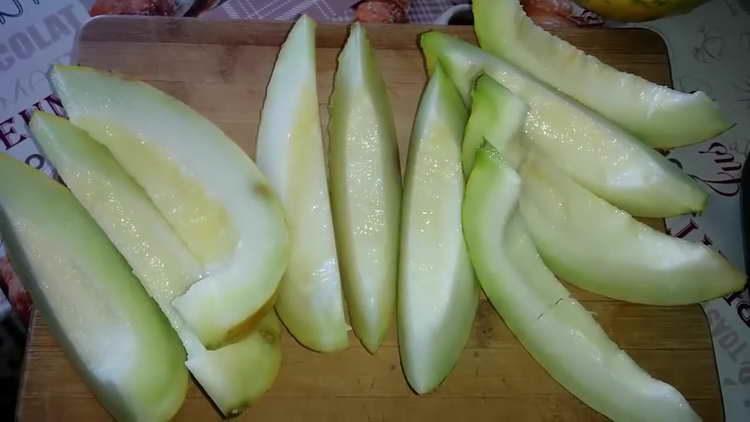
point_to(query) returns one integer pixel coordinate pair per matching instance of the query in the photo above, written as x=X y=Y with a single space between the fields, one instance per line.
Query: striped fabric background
x=420 y=11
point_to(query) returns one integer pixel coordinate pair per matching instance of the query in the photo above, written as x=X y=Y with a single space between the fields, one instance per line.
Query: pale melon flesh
x=233 y=375
x=600 y=248
x=290 y=152
x=437 y=292
x=365 y=179
x=597 y=153
x=554 y=328
x=659 y=116
x=208 y=190
x=105 y=322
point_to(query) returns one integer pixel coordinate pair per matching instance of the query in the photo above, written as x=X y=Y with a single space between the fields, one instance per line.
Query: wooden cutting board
x=221 y=69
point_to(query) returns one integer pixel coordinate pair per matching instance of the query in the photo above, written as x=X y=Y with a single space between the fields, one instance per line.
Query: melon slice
x=365 y=189
x=290 y=153
x=497 y=116
x=659 y=116
x=598 y=154
x=204 y=185
x=233 y=375
x=553 y=327
x=99 y=313
x=600 y=248
x=437 y=292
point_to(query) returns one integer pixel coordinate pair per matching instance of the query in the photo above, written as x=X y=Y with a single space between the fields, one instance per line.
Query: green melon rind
x=599 y=155
x=600 y=248
x=497 y=116
x=132 y=118
x=555 y=329
x=659 y=116
x=86 y=293
x=233 y=375
x=437 y=292
x=238 y=374
x=365 y=177
x=290 y=153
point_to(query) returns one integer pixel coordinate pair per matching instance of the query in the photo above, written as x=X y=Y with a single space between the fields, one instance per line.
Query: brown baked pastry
x=133 y=7
x=384 y=11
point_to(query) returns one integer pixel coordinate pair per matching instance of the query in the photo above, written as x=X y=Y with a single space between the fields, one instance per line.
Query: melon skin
x=234 y=375
x=437 y=292
x=365 y=177
x=655 y=114
x=290 y=153
x=108 y=326
x=597 y=153
x=600 y=248
x=556 y=330
x=209 y=191
x=497 y=116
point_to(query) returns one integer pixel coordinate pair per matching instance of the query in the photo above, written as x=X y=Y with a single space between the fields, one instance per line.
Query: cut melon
x=553 y=327
x=237 y=374
x=204 y=185
x=598 y=154
x=99 y=313
x=600 y=248
x=497 y=116
x=661 y=117
x=365 y=189
x=437 y=292
x=290 y=153
x=233 y=375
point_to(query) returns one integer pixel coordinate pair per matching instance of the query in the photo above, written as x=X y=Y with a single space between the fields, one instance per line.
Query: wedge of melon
x=207 y=189
x=233 y=375
x=437 y=292
x=553 y=327
x=659 y=116
x=600 y=248
x=497 y=116
x=365 y=189
x=236 y=375
x=104 y=320
x=290 y=153
x=598 y=154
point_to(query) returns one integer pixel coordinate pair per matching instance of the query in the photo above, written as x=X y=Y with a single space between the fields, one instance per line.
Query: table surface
x=221 y=69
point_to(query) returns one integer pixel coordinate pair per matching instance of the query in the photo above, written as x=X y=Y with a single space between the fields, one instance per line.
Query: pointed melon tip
x=358 y=36
x=356 y=29
x=695 y=204
x=370 y=345
x=371 y=341
x=423 y=384
x=38 y=119
x=341 y=342
x=427 y=42
x=423 y=373
x=305 y=21
x=327 y=339
x=355 y=48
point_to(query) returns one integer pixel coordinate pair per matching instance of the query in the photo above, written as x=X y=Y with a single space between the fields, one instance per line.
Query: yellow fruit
x=638 y=10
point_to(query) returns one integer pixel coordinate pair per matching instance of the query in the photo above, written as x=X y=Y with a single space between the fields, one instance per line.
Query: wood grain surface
x=221 y=69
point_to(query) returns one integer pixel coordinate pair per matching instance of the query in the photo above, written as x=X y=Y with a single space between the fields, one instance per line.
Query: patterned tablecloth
x=421 y=11
x=709 y=50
